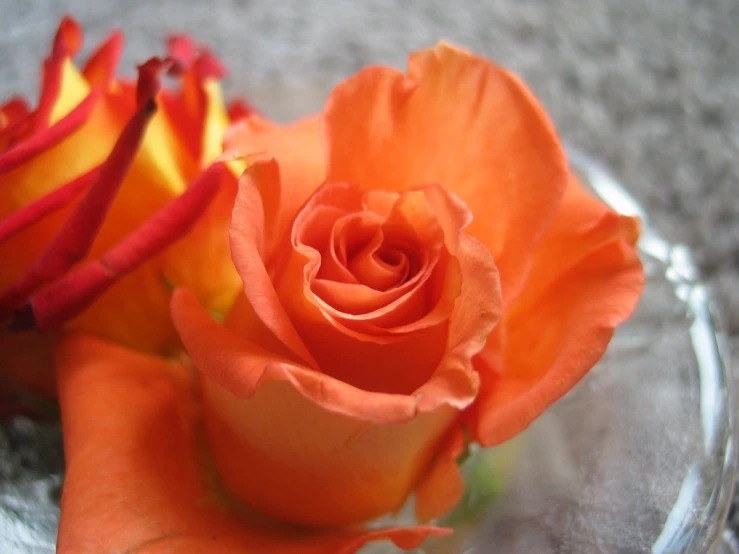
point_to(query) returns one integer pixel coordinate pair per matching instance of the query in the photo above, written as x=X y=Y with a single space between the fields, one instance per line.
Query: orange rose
x=366 y=339
x=88 y=183
x=417 y=264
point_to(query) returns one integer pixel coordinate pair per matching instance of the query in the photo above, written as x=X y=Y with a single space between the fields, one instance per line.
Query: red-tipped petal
x=181 y=50
x=12 y=114
x=240 y=109
x=74 y=239
x=49 y=136
x=68 y=39
x=101 y=67
x=208 y=66
x=67 y=43
x=13 y=110
x=33 y=212
x=63 y=300
x=14 y=118
x=149 y=82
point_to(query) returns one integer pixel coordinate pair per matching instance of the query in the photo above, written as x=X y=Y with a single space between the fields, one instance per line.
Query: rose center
x=379 y=265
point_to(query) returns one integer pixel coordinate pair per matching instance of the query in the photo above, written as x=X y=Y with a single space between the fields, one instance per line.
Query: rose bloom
x=419 y=269
x=83 y=173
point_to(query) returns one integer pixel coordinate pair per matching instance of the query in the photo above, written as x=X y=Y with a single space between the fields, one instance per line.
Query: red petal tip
x=209 y=66
x=181 y=49
x=68 y=39
x=240 y=109
x=150 y=78
x=101 y=68
x=67 y=43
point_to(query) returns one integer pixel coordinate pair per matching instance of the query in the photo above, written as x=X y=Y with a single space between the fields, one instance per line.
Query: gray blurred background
x=651 y=87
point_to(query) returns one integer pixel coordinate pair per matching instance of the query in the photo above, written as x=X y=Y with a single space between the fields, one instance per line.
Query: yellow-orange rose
x=88 y=182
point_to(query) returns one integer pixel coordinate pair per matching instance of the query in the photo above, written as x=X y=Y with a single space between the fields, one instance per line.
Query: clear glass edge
x=685 y=530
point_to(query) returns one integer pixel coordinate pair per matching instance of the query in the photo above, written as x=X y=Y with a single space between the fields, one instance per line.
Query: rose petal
x=345 y=229
x=320 y=451
x=297 y=148
x=101 y=67
x=182 y=50
x=240 y=365
x=249 y=231
x=478 y=307
x=44 y=206
x=21 y=249
x=197 y=114
x=153 y=489
x=202 y=262
x=73 y=241
x=13 y=112
x=412 y=225
x=370 y=357
x=15 y=120
x=56 y=99
x=240 y=109
x=56 y=136
x=586 y=280
x=67 y=297
x=460 y=121
x=442 y=487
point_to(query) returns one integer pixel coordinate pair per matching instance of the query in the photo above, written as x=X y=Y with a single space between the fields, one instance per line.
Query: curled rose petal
x=292 y=311
x=249 y=389
x=239 y=109
x=586 y=279
x=298 y=148
x=153 y=489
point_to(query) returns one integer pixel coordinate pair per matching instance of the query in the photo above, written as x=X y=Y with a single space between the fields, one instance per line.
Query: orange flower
x=366 y=339
x=88 y=182
x=417 y=263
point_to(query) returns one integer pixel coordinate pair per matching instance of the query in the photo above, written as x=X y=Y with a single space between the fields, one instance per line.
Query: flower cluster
x=263 y=336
